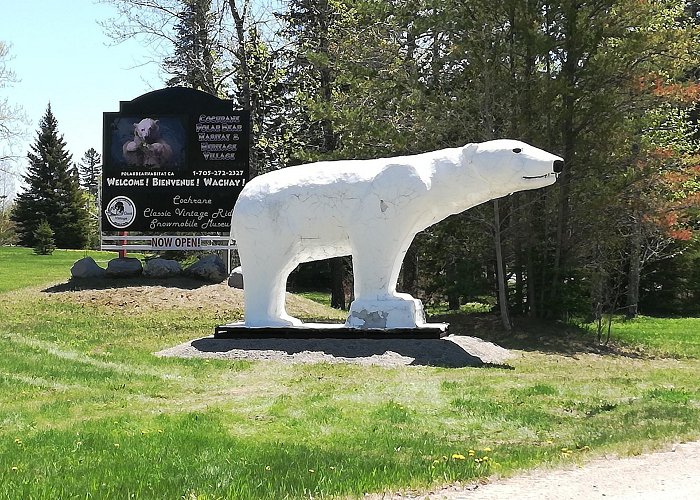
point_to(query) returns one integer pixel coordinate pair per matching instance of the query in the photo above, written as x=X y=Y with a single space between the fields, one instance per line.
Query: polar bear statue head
x=515 y=165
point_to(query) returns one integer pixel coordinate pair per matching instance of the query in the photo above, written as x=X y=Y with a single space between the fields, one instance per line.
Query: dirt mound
x=140 y=294
x=165 y=294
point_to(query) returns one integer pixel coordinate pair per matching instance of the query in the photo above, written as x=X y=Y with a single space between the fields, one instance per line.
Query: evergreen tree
x=310 y=27
x=53 y=191
x=90 y=168
x=43 y=239
x=194 y=60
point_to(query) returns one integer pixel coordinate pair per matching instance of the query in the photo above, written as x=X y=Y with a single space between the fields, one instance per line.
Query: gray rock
x=235 y=279
x=87 y=268
x=124 y=267
x=162 y=268
x=209 y=267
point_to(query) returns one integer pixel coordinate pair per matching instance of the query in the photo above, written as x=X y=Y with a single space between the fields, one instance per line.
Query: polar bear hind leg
x=265 y=290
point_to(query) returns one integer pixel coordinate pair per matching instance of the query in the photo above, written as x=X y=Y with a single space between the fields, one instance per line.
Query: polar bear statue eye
x=517 y=150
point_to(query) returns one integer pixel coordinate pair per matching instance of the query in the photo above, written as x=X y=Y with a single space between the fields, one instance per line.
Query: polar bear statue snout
x=372 y=210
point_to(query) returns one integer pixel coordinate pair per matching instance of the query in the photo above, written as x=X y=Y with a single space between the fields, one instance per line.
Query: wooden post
x=122 y=252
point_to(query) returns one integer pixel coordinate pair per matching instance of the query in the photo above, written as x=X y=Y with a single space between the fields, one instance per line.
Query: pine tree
x=194 y=62
x=44 y=241
x=309 y=25
x=90 y=169
x=53 y=191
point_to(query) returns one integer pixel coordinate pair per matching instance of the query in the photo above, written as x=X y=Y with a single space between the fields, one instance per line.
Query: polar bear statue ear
x=136 y=125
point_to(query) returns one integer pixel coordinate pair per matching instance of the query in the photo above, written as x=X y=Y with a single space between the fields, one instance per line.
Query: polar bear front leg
x=133 y=145
x=376 y=266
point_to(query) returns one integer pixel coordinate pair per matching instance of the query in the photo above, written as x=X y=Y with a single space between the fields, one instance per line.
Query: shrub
x=43 y=237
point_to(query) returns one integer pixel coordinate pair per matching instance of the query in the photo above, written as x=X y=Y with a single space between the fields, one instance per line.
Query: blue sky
x=61 y=55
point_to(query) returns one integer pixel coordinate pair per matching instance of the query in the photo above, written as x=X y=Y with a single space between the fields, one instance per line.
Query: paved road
x=673 y=474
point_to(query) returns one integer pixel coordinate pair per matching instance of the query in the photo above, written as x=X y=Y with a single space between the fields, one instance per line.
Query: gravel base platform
x=450 y=351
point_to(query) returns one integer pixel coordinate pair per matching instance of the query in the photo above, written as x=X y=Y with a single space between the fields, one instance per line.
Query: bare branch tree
x=13 y=123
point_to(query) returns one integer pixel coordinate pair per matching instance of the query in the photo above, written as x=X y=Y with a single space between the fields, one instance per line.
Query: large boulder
x=209 y=267
x=87 y=268
x=162 y=268
x=124 y=267
x=235 y=279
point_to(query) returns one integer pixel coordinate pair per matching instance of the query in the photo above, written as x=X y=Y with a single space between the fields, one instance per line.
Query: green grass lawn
x=320 y=297
x=676 y=337
x=86 y=410
x=21 y=267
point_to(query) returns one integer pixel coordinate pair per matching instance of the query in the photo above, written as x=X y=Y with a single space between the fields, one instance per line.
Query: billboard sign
x=174 y=160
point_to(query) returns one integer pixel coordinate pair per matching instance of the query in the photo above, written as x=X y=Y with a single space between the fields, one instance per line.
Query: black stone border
x=311 y=331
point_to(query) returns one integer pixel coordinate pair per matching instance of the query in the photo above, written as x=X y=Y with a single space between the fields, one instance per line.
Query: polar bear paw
x=393 y=311
x=276 y=322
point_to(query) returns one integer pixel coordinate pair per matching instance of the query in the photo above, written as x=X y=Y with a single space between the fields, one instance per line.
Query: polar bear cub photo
x=371 y=210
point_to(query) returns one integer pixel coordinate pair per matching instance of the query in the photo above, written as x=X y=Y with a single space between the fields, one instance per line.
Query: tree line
x=57 y=207
x=610 y=85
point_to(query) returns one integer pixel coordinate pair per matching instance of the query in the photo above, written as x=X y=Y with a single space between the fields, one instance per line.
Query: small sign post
x=122 y=253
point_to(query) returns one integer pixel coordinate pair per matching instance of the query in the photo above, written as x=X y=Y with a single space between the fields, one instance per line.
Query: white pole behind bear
x=372 y=210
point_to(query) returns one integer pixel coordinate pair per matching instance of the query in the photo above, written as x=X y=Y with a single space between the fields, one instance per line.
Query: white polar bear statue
x=372 y=210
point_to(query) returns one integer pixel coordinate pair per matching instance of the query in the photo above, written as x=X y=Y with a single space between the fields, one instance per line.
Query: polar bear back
x=342 y=173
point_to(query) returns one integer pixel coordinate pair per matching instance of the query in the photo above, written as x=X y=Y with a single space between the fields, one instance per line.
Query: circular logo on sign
x=120 y=212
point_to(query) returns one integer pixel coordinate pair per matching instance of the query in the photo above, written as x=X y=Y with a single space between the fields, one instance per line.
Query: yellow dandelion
x=311 y=471
x=457 y=456
x=18 y=441
x=267 y=467
x=472 y=453
x=487 y=449
x=116 y=445
x=15 y=469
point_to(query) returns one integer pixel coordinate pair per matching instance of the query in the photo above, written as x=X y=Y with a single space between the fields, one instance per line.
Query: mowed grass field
x=20 y=267
x=87 y=410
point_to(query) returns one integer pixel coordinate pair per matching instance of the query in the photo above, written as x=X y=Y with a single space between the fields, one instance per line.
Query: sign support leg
x=122 y=252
